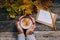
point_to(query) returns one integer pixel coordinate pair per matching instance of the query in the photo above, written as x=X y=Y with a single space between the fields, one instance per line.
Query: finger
x=21 y=17
x=29 y=32
x=32 y=19
x=18 y=27
x=33 y=27
x=17 y=23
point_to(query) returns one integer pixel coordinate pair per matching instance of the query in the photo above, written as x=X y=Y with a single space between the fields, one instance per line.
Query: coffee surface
x=26 y=22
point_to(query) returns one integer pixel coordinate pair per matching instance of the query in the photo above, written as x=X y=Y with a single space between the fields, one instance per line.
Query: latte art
x=26 y=23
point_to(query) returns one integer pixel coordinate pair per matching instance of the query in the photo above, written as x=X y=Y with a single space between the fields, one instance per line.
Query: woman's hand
x=18 y=25
x=31 y=29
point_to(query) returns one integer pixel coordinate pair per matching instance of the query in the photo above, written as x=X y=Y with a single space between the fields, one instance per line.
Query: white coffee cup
x=22 y=22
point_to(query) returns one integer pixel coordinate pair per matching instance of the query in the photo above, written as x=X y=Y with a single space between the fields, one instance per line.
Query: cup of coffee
x=26 y=23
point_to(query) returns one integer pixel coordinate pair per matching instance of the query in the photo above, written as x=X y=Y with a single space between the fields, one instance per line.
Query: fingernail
x=18 y=19
x=33 y=23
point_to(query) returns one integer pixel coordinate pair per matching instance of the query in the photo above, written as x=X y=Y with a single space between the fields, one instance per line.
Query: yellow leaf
x=11 y=1
x=28 y=11
x=8 y=9
x=23 y=7
x=12 y=16
x=27 y=1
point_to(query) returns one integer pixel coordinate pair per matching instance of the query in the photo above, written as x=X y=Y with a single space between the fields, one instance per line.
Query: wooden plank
x=40 y=35
x=47 y=35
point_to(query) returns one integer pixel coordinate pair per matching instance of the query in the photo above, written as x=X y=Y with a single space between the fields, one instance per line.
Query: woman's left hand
x=31 y=29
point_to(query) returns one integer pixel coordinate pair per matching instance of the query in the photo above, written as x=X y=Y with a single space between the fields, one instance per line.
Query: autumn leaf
x=15 y=7
x=12 y=15
x=28 y=12
x=11 y=1
x=22 y=7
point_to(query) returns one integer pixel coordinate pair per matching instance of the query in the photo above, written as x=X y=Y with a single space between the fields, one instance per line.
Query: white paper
x=45 y=16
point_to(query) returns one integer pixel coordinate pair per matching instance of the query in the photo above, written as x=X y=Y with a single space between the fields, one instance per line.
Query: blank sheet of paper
x=45 y=16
